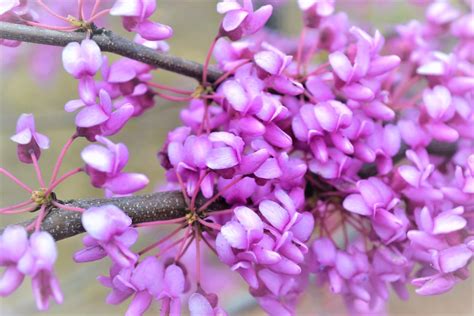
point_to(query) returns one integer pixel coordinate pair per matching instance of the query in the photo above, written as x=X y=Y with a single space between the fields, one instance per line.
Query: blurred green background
x=194 y=22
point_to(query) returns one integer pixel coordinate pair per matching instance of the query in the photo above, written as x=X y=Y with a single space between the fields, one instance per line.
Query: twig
x=109 y=42
x=158 y=206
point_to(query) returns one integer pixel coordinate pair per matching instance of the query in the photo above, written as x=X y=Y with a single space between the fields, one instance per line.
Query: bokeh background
x=44 y=93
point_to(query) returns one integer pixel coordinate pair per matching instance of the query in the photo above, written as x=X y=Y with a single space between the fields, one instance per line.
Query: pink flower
x=199 y=305
x=109 y=234
x=104 y=165
x=13 y=245
x=38 y=262
x=135 y=18
x=99 y=119
x=81 y=60
x=29 y=141
x=240 y=21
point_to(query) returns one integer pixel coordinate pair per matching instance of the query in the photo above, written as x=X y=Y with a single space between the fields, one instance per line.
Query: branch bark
x=158 y=206
x=108 y=42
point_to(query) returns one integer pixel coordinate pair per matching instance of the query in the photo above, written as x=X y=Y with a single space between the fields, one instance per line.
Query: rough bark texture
x=158 y=206
x=108 y=42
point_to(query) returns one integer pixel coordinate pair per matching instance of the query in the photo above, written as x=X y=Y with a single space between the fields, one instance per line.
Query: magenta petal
x=153 y=31
x=447 y=223
x=126 y=8
x=235 y=235
x=10 y=280
x=98 y=157
x=269 y=169
x=174 y=280
x=435 y=285
x=250 y=221
x=454 y=258
x=277 y=137
x=235 y=95
x=341 y=66
x=325 y=251
x=222 y=158
x=275 y=214
x=199 y=305
x=358 y=92
x=73 y=105
x=258 y=19
x=269 y=61
x=139 y=304
x=126 y=183
x=233 y=19
x=356 y=204
x=91 y=116
x=345 y=265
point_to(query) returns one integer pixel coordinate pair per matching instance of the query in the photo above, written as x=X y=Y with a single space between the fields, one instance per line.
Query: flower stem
x=159 y=242
x=14 y=179
x=168 y=88
x=61 y=158
x=62 y=178
x=37 y=170
x=208 y=58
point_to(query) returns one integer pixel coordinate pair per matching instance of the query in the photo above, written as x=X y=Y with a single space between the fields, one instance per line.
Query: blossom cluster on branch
x=285 y=137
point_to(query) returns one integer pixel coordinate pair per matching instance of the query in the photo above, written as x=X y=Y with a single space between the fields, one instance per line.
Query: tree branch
x=108 y=42
x=158 y=206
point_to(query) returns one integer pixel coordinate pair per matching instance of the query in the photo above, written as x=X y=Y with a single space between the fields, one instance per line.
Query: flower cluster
x=340 y=156
x=32 y=257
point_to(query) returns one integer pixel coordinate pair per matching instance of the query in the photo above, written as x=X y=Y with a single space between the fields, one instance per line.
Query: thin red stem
x=96 y=6
x=183 y=243
x=183 y=188
x=159 y=242
x=165 y=222
x=197 y=235
x=52 y=27
x=209 y=244
x=15 y=206
x=81 y=10
x=98 y=15
x=59 y=162
x=168 y=88
x=42 y=4
x=162 y=251
x=206 y=62
x=21 y=210
x=39 y=219
x=172 y=98
x=216 y=196
x=68 y=207
x=230 y=72
x=37 y=170
x=62 y=178
x=15 y=179
x=299 y=50
x=210 y=225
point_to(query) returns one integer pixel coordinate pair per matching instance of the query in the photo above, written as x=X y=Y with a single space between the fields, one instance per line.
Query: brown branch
x=158 y=206
x=108 y=42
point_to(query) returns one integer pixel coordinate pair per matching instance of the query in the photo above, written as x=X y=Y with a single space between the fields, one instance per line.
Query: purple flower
x=109 y=234
x=145 y=282
x=104 y=165
x=135 y=18
x=173 y=287
x=199 y=305
x=82 y=60
x=374 y=196
x=99 y=119
x=29 y=141
x=13 y=245
x=240 y=21
x=38 y=262
x=315 y=10
x=439 y=107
